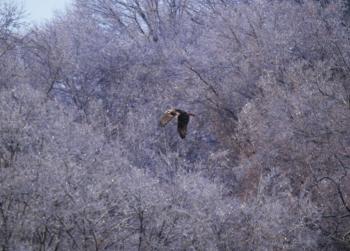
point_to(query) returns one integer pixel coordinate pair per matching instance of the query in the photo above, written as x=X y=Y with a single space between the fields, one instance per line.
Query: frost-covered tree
x=85 y=166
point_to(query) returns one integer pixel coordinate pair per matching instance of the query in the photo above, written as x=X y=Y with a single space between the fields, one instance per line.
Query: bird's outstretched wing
x=168 y=115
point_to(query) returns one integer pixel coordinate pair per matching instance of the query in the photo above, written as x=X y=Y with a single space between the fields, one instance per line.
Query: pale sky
x=41 y=10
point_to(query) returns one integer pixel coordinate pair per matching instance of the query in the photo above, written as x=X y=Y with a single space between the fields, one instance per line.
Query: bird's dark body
x=182 y=121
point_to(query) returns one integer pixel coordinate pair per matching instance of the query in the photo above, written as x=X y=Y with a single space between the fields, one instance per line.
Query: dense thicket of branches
x=85 y=166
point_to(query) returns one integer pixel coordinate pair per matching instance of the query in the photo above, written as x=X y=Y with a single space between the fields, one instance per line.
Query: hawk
x=182 y=120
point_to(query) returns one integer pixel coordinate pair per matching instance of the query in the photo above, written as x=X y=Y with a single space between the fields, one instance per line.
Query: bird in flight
x=182 y=120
